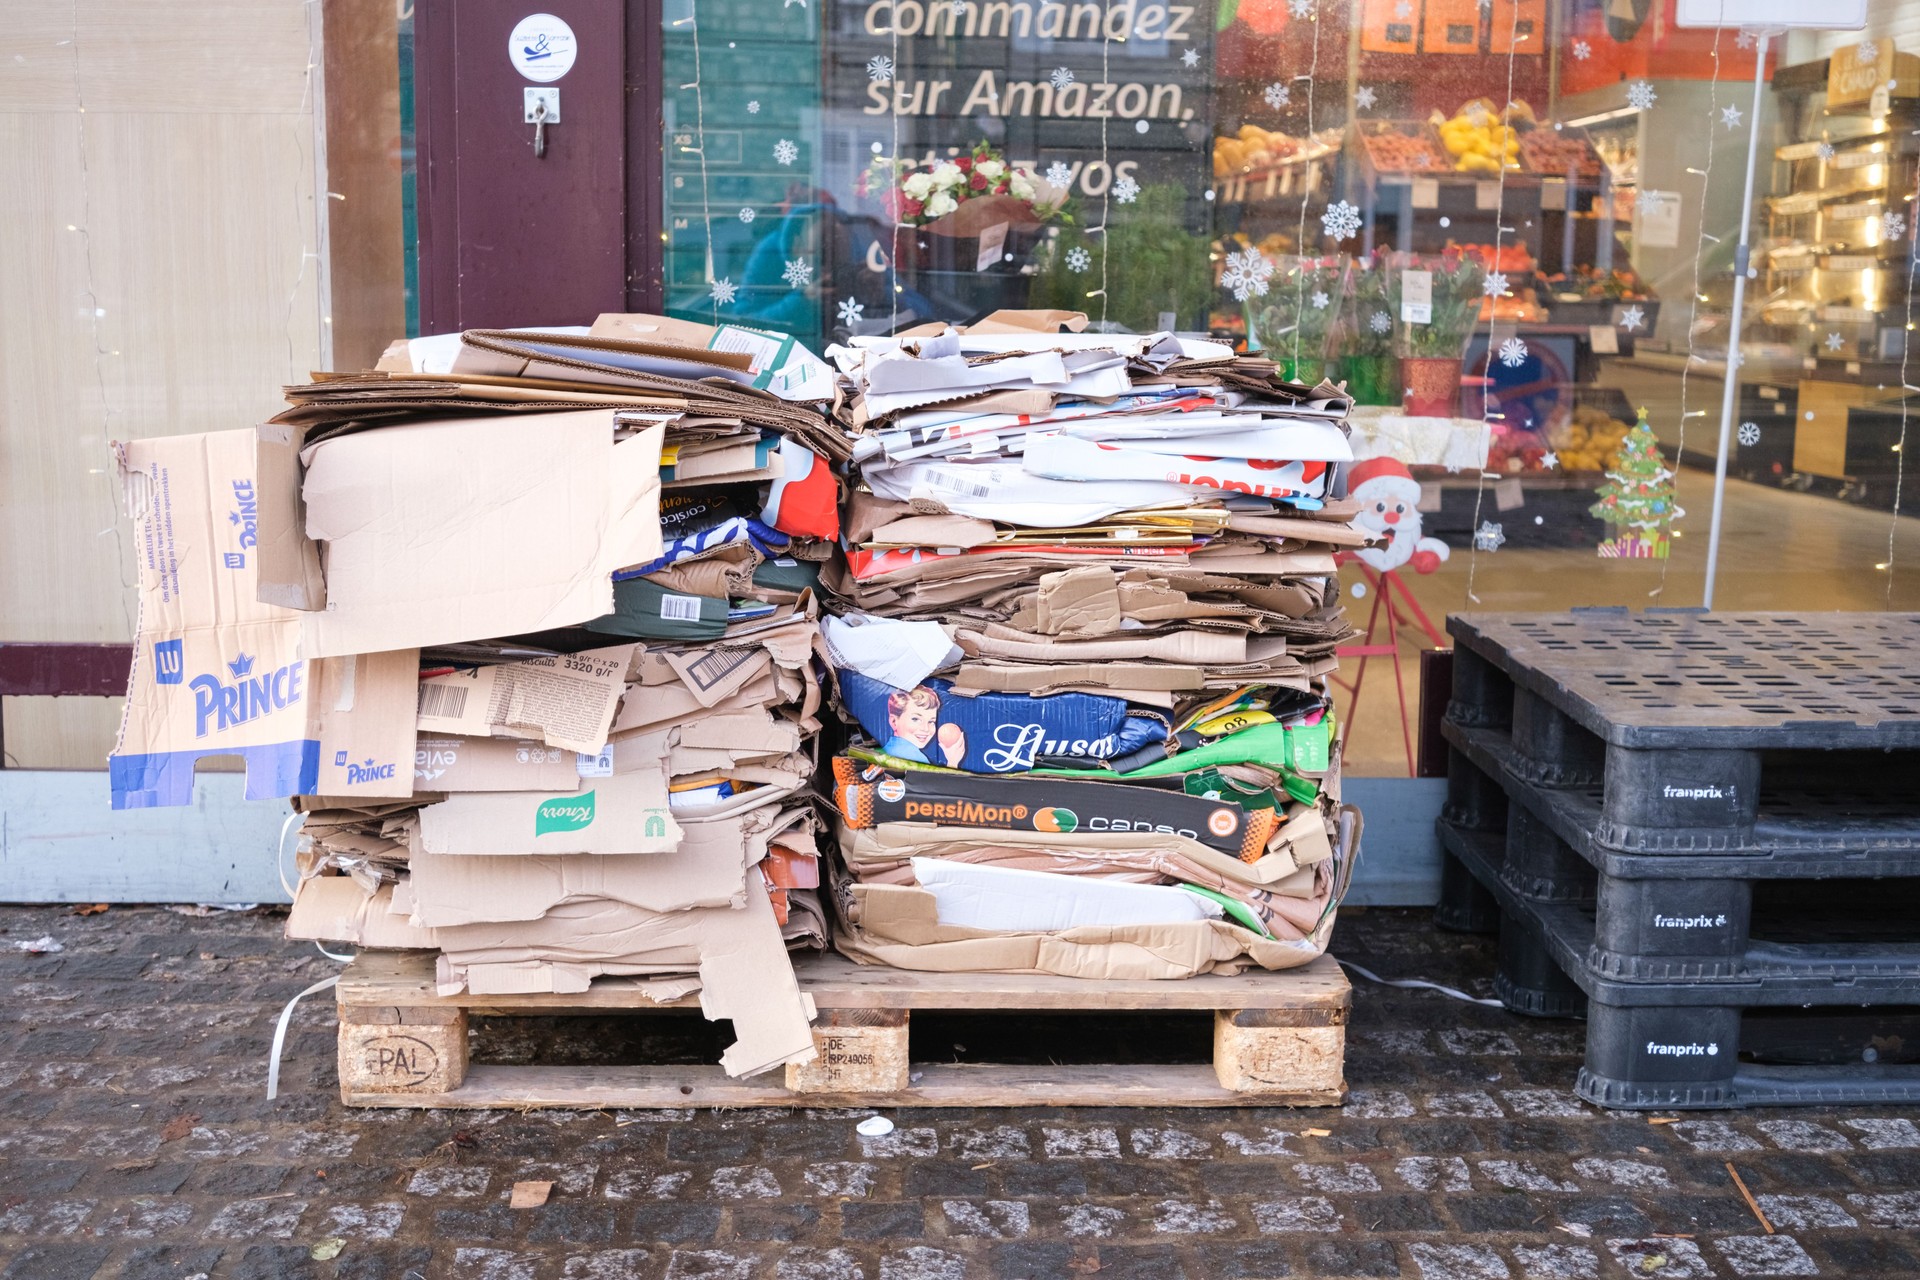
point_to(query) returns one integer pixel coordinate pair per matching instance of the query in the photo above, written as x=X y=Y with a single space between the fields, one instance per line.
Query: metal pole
x=1740 y=268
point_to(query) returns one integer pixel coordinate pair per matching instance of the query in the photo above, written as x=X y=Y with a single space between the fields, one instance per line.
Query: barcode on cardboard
x=957 y=484
x=447 y=701
x=680 y=608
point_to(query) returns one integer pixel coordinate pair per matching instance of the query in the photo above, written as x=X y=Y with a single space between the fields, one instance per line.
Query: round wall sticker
x=541 y=47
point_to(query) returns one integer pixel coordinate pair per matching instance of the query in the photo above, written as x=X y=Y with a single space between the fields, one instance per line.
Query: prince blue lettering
x=247 y=698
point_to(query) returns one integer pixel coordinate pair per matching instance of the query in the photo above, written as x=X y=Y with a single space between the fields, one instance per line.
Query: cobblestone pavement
x=135 y=1141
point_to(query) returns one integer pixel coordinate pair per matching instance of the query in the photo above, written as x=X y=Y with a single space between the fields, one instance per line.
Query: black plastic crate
x=1685 y=720
x=1848 y=828
x=1708 y=942
x=1694 y=1044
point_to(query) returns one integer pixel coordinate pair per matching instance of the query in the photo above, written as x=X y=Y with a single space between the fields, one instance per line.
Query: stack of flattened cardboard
x=528 y=629
x=1083 y=636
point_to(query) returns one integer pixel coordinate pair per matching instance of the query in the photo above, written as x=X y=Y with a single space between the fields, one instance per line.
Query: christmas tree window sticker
x=1637 y=499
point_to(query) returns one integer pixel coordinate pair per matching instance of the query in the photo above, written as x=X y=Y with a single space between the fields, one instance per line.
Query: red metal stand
x=1386 y=586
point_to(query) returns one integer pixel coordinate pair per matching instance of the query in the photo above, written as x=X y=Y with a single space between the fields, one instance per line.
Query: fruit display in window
x=1252 y=149
x=1480 y=141
x=1399 y=149
x=1589 y=441
x=1557 y=154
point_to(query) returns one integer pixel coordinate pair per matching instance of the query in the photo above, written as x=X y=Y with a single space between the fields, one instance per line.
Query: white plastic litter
x=874 y=1127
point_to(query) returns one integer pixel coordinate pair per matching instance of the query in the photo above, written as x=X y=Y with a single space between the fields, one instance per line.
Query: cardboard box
x=447 y=530
x=337 y=909
x=992 y=732
x=625 y=813
x=739 y=955
x=867 y=797
x=1006 y=899
x=708 y=869
x=565 y=699
x=217 y=673
x=493 y=764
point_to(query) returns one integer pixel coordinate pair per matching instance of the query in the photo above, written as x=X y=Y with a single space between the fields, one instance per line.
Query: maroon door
x=508 y=237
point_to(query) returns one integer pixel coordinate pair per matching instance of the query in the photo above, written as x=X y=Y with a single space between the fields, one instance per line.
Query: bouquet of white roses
x=916 y=197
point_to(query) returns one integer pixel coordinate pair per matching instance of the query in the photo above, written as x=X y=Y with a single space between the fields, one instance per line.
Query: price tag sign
x=1426 y=193
x=1486 y=195
x=1603 y=340
x=1553 y=193
x=1416 y=297
x=993 y=242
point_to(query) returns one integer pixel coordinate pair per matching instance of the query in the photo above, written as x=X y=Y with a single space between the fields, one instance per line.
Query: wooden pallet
x=1279 y=1039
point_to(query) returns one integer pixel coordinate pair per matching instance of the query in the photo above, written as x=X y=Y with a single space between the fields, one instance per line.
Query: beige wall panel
x=249 y=56
x=195 y=245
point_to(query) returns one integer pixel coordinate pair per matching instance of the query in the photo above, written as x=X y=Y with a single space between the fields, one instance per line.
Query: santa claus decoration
x=1389 y=499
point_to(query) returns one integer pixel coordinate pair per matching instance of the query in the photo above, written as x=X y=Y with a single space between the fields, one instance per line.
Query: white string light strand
x=1300 y=235
x=1906 y=389
x=1693 y=302
x=700 y=139
x=1493 y=302
x=896 y=196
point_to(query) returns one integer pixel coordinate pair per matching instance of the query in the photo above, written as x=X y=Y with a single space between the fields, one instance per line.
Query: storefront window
x=1509 y=229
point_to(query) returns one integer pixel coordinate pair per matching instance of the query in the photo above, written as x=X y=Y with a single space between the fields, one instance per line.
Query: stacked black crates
x=1701 y=831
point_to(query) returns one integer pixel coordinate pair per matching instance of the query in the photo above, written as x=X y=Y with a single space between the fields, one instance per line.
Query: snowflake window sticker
x=1247 y=274
x=1893 y=226
x=1379 y=322
x=798 y=272
x=1632 y=318
x=1061 y=78
x=1190 y=59
x=753 y=106
x=1495 y=285
x=785 y=152
x=722 y=292
x=1403 y=10
x=1640 y=95
x=850 y=312
x=1126 y=191
x=1320 y=299
x=1648 y=198
x=1078 y=259
x=1835 y=342
x=746 y=213
x=1749 y=434
x=1059 y=173
x=1488 y=537
x=1824 y=150
x=1513 y=353
x=1300 y=8
x=1364 y=97
x=1730 y=116
x=1549 y=460
x=1582 y=51
x=1340 y=220
x=1744 y=40
x=880 y=69
x=1277 y=96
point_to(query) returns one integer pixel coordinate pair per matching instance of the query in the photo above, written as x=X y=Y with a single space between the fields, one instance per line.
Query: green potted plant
x=1291 y=310
x=1154 y=264
x=1367 y=361
x=1431 y=350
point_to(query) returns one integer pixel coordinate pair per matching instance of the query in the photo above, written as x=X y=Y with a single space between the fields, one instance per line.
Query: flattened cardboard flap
x=626 y=813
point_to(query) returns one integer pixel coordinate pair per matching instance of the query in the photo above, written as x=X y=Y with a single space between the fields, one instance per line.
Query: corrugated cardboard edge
x=745 y=975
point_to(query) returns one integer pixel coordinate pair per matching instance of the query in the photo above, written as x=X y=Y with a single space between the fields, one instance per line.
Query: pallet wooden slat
x=389 y=977
x=940 y=1085
x=1279 y=1040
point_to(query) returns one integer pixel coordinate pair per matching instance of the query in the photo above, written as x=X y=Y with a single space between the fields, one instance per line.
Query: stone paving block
x=137 y=1144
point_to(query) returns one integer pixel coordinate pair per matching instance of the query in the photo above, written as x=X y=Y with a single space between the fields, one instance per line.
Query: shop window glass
x=1510 y=229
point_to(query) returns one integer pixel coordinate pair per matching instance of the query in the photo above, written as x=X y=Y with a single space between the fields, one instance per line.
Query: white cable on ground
x=1412 y=984
x=280 y=851
x=280 y=1035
